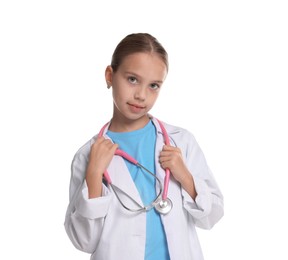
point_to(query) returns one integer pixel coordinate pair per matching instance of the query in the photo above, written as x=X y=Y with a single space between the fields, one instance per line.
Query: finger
x=165 y=153
x=99 y=139
x=114 y=147
x=99 y=142
x=109 y=146
x=168 y=148
x=164 y=159
x=169 y=154
x=164 y=165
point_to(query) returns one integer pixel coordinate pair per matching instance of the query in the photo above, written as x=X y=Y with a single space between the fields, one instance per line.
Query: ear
x=109 y=76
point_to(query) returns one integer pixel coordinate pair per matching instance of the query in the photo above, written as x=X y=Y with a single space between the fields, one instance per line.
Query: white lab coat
x=102 y=227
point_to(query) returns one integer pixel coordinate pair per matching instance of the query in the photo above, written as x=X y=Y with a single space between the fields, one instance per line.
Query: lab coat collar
x=105 y=128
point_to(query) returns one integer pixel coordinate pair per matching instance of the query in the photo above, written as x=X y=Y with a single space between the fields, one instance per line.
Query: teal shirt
x=140 y=144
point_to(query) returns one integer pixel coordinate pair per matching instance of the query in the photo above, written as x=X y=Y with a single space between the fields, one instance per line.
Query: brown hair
x=137 y=42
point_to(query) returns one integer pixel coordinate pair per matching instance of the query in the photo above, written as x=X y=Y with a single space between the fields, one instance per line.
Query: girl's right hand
x=101 y=154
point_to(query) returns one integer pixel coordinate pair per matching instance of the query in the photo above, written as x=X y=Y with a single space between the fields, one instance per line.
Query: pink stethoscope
x=162 y=204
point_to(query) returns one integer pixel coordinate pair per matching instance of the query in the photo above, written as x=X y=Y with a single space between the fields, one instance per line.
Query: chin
x=136 y=117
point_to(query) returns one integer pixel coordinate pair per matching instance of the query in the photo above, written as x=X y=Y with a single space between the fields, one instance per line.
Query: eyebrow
x=138 y=76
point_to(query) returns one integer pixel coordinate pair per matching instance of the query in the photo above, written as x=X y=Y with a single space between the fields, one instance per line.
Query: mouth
x=136 y=106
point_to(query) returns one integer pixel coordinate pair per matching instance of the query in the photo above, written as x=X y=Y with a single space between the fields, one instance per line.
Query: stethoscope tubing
x=129 y=158
x=167 y=171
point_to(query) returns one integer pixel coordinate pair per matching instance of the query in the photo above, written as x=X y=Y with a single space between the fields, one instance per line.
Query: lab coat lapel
x=120 y=175
x=158 y=148
x=121 y=178
x=160 y=142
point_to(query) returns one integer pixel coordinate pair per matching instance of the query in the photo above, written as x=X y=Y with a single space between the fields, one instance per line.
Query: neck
x=128 y=125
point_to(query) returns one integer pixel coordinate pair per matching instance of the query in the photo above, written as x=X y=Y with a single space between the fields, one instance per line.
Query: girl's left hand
x=171 y=158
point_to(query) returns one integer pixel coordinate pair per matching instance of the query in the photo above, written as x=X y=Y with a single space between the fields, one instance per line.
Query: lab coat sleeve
x=84 y=217
x=208 y=207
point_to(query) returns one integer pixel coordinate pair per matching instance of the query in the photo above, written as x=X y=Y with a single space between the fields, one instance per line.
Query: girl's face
x=136 y=85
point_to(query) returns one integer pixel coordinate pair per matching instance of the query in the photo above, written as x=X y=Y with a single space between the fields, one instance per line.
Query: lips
x=136 y=106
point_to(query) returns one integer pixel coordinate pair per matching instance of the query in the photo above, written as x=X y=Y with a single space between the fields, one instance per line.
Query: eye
x=132 y=80
x=154 y=86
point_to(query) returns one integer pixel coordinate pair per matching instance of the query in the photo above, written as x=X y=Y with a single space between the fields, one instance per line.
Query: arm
x=101 y=155
x=171 y=158
x=85 y=215
x=202 y=197
x=207 y=208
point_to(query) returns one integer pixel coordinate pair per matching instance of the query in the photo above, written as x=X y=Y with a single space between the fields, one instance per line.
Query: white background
x=227 y=84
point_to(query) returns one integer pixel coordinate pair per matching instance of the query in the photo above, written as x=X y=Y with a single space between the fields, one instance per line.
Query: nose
x=140 y=93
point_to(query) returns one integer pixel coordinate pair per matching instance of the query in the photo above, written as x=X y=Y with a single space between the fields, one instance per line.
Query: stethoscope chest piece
x=164 y=206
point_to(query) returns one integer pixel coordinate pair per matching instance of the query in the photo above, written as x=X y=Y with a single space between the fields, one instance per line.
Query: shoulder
x=180 y=136
x=185 y=140
x=177 y=131
x=84 y=151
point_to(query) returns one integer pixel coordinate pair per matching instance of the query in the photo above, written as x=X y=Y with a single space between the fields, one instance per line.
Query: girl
x=122 y=210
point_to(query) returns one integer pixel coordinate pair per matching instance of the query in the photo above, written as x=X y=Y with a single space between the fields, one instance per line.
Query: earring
x=108 y=85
